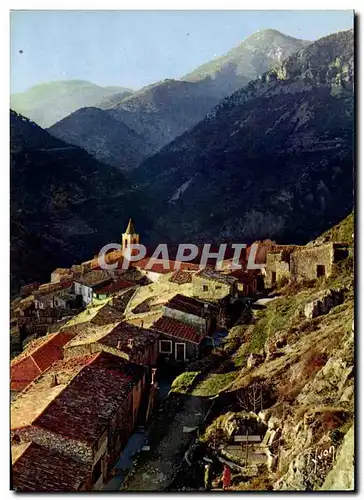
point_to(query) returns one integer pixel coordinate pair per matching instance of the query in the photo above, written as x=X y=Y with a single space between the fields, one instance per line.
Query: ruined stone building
x=312 y=262
x=278 y=265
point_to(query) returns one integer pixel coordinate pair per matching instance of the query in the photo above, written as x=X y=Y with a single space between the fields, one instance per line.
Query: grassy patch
x=183 y=382
x=214 y=383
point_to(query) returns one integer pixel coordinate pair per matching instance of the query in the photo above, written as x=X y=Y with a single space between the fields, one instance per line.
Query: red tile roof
x=36 y=359
x=163 y=266
x=41 y=469
x=82 y=409
x=186 y=304
x=120 y=335
x=178 y=329
x=113 y=287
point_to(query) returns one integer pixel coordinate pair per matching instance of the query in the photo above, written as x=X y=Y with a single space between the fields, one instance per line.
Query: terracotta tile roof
x=113 y=287
x=82 y=409
x=178 y=329
x=163 y=266
x=36 y=359
x=120 y=335
x=181 y=277
x=212 y=275
x=186 y=304
x=94 y=277
x=39 y=469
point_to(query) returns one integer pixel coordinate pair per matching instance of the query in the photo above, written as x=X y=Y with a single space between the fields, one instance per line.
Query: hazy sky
x=133 y=49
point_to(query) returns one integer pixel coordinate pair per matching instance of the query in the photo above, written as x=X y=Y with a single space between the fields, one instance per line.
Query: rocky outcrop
x=341 y=477
x=324 y=303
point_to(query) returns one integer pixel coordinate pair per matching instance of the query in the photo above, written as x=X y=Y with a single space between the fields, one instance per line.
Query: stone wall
x=209 y=289
x=277 y=268
x=190 y=319
x=309 y=263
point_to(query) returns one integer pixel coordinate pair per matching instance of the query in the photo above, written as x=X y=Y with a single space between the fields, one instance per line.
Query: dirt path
x=155 y=469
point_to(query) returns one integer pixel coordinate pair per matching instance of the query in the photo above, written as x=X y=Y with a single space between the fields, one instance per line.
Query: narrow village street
x=170 y=436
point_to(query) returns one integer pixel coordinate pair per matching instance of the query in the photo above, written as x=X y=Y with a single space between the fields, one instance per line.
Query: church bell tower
x=130 y=237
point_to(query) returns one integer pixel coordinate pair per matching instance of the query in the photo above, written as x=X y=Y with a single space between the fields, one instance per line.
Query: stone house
x=278 y=265
x=136 y=344
x=83 y=408
x=178 y=341
x=212 y=285
x=247 y=281
x=86 y=283
x=115 y=286
x=190 y=311
x=312 y=262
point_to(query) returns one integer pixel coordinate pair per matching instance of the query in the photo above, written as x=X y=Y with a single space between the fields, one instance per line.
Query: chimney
x=54 y=381
x=154 y=373
x=130 y=343
x=119 y=346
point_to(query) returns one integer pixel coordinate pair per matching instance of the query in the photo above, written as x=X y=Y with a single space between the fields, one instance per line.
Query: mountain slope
x=107 y=139
x=65 y=205
x=164 y=110
x=272 y=160
x=48 y=103
x=253 y=57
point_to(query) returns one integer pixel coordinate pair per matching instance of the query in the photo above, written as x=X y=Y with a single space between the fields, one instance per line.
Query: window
x=126 y=243
x=205 y=288
x=218 y=287
x=274 y=277
x=165 y=346
x=320 y=271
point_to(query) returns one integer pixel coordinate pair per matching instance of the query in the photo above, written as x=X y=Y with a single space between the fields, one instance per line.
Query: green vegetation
x=342 y=232
x=214 y=383
x=183 y=382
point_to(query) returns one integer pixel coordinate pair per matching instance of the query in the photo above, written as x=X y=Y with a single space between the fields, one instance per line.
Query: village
x=95 y=352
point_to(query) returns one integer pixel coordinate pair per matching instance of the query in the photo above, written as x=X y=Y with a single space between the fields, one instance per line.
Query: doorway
x=180 y=351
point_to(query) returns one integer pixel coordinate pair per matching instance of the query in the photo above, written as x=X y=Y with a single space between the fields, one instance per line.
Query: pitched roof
x=163 y=266
x=130 y=229
x=178 y=329
x=37 y=468
x=124 y=331
x=113 y=287
x=181 y=277
x=216 y=276
x=186 y=304
x=38 y=394
x=94 y=277
x=81 y=410
x=36 y=359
